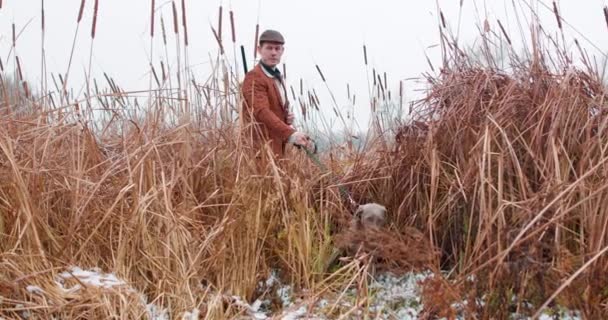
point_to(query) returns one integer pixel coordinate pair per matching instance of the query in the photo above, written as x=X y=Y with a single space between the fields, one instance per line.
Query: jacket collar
x=270 y=72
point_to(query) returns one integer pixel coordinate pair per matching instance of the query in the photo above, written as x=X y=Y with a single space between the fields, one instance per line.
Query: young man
x=265 y=105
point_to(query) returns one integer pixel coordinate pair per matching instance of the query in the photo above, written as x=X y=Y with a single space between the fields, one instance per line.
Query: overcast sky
x=398 y=34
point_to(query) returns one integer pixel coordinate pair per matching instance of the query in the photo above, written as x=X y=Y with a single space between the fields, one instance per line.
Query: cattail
x=504 y=32
x=26 y=89
x=381 y=86
x=42 y=19
x=321 y=73
x=365 y=54
x=301 y=87
x=293 y=93
x=219 y=23
x=442 y=19
x=354 y=99
x=244 y=58
x=162 y=28
x=217 y=38
x=374 y=75
x=162 y=69
x=348 y=91
x=94 y=19
x=284 y=71
x=255 y=43
x=152 y=20
x=606 y=15
x=154 y=74
x=19 y=73
x=316 y=96
x=14 y=37
x=557 y=16
x=1 y=66
x=232 y=27
x=385 y=82
x=175 y=28
x=184 y=22
x=81 y=11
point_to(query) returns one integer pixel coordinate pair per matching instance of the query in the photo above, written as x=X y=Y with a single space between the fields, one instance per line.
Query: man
x=265 y=105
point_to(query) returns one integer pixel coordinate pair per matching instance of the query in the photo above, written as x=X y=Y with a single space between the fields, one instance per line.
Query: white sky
x=398 y=34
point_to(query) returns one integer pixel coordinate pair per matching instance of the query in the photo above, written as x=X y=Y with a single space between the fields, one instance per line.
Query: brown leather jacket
x=264 y=114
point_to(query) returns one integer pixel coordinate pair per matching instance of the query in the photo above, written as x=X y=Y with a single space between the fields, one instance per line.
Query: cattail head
x=557 y=16
x=320 y=73
x=162 y=69
x=219 y=23
x=605 y=14
x=284 y=71
x=219 y=41
x=174 y=7
x=255 y=43
x=81 y=11
x=162 y=28
x=19 y=73
x=14 y=37
x=365 y=54
x=232 y=27
x=442 y=19
x=152 y=12
x=42 y=17
x=184 y=23
x=94 y=26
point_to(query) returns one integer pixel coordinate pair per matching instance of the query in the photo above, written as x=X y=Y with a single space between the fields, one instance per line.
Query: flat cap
x=272 y=36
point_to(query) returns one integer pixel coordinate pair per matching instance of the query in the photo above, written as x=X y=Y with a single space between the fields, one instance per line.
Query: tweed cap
x=271 y=36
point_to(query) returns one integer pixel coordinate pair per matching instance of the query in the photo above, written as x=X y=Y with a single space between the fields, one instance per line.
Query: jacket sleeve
x=255 y=92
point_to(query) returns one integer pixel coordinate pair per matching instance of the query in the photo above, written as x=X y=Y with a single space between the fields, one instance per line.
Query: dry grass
x=172 y=201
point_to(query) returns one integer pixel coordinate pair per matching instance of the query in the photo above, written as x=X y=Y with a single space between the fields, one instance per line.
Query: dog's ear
x=358 y=212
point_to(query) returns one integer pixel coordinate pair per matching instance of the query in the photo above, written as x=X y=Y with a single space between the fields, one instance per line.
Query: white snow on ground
x=294 y=315
x=389 y=297
x=94 y=277
x=191 y=315
x=34 y=290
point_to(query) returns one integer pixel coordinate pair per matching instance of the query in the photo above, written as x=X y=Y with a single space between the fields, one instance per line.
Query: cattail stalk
x=176 y=32
x=43 y=55
x=78 y=19
x=93 y=32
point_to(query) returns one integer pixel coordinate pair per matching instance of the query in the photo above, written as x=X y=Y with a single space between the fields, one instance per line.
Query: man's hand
x=290 y=118
x=301 y=139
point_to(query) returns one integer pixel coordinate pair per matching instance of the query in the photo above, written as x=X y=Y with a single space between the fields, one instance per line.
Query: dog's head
x=371 y=215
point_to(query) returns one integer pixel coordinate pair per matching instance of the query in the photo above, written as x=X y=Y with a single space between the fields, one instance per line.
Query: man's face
x=270 y=53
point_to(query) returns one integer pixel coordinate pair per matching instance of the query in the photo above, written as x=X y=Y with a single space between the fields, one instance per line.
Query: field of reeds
x=496 y=187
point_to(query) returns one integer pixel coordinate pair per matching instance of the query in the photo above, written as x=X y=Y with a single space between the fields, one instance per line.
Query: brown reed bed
x=498 y=185
x=505 y=174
